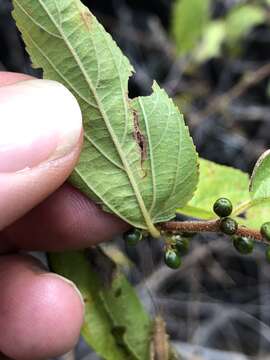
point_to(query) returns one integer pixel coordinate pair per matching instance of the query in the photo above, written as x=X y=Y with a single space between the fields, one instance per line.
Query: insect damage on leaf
x=87 y=19
x=140 y=140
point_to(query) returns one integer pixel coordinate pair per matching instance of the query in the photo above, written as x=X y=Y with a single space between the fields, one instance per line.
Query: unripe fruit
x=265 y=230
x=228 y=226
x=180 y=244
x=223 y=207
x=243 y=244
x=172 y=259
x=132 y=237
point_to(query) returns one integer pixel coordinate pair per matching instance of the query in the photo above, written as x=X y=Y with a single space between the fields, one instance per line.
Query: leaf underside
x=138 y=159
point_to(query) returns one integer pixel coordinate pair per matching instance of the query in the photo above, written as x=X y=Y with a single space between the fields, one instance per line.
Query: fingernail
x=70 y=283
x=40 y=120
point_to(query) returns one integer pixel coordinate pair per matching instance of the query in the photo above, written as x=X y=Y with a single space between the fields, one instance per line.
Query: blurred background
x=213 y=58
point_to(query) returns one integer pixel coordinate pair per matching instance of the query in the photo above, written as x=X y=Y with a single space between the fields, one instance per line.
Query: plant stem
x=208 y=226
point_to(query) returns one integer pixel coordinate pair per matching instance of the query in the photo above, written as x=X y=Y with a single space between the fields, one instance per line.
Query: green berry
x=172 y=259
x=244 y=245
x=228 y=226
x=267 y=254
x=223 y=207
x=180 y=244
x=265 y=230
x=132 y=237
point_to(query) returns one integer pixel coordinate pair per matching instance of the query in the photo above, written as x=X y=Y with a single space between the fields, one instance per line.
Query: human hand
x=40 y=140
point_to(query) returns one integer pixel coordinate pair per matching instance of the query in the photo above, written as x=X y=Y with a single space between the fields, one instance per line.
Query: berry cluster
x=223 y=208
x=176 y=247
x=177 y=244
x=244 y=245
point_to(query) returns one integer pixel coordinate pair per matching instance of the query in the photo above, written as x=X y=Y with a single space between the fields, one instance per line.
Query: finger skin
x=40 y=313
x=67 y=220
x=8 y=78
x=53 y=143
x=25 y=190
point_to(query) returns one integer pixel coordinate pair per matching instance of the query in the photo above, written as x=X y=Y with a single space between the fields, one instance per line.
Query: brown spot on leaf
x=87 y=18
x=140 y=140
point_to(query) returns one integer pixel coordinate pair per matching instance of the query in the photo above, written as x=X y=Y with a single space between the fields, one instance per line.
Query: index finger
x=66 y=220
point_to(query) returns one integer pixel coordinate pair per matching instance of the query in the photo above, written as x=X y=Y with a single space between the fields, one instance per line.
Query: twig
x=208 y=226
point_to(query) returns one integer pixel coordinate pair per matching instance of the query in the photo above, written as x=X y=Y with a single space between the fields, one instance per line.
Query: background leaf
x=196 y=34
x=241 y=19
x=138 y=158
x=256 y=215
x=212 y=40
x=189 y=18
x=116 y=326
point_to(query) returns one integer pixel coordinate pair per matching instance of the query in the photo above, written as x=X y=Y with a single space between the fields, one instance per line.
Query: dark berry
x=180 y=244
x=267 y=254
x=172 y=259
x=132 y=237
x=244 y=245
x=265 y=230
x=228 y=226
x=223 y=207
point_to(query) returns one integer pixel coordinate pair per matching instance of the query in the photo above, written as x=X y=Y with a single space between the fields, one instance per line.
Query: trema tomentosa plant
x=138 y=162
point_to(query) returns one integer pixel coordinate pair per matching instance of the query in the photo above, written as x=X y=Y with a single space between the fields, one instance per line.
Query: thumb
x=40 y=141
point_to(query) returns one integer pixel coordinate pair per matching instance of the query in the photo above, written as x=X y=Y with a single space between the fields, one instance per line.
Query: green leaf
x=189 y=18
x=127 y=313
x=138 y=160
x=222 y=181
x=212 y=40
x=216 y=181
x=256 y=214
x=260 y=180
x=116 y=326
x=97 y=327
x=242 y=19
x=257 y=209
